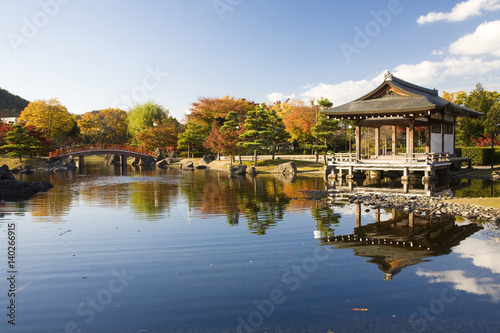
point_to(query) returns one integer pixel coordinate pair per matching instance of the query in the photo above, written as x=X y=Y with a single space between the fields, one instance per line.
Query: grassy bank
x=263 y=166
x=13 y=162
x=485 y=202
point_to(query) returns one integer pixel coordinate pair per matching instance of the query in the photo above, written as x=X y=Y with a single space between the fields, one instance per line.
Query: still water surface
x=166 y=251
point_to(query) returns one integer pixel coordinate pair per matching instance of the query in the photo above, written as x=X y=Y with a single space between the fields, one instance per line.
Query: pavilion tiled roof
x=395 y=97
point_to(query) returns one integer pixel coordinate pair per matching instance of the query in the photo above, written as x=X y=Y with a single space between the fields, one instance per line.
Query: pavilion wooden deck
x=427 y=163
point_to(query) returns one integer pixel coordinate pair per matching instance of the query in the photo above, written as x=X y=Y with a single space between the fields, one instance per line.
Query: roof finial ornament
x=388 y=76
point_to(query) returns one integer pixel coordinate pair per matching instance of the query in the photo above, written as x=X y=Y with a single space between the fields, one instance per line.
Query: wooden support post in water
x=358 y=215
x=394 y=141
x=81 y=161
x=123 y=160
x=358 y=142
x=377 y=141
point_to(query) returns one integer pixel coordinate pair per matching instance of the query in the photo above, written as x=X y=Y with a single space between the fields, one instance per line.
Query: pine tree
x=192 y=138
x=324 y=131
x=256 y=133
x=19 y=142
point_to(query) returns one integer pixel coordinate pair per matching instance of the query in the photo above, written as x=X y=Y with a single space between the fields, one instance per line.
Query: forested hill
x=11 y=105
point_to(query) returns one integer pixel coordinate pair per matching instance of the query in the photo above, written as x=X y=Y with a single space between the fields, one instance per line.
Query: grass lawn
x=302 y=166
x=485 y=202
x=13 y=162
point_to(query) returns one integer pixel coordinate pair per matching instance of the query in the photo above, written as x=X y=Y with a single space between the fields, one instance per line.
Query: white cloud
x=478 y=286
x=343 y=92
x=485 y=40
x=483 y=250
x=275 y=97
x=437 y=52
x=425 y=73
x=461 y=11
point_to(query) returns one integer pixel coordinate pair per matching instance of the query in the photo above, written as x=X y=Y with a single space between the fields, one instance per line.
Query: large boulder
x=147 y=161
x=112 y=159
x=70 y=163
x=159 y=154
x=205 y=160
x=25 y=169
x=252 y=171
x=187 y=166
x=288 y=167
x=12 y=190
x=237 y=169
x=162 y=164
x=5 y=174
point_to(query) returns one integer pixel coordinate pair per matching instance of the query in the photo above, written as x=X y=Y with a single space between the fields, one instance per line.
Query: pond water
x=171 y=251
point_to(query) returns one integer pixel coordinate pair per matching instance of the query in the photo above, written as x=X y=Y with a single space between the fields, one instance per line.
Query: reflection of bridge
x=96 y=149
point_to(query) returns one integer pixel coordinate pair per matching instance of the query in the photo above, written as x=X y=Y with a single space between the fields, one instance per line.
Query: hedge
x=479 y=155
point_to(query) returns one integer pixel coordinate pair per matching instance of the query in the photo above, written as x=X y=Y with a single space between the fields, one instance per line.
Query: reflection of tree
x=264 y=206
x=56 y=202
x=152 y=198
x=326 y=219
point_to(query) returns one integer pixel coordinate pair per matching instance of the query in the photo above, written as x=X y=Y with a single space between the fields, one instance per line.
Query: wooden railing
x=428 y=158
x=110 y=147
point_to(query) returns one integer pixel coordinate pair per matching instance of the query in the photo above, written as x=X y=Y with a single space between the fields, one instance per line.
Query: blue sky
x=98 y=54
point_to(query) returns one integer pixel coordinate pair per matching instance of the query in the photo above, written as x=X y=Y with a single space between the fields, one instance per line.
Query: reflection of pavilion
x=403 y=240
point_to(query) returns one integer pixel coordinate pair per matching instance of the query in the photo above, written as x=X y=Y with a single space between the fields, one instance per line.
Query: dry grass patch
x=13 y=162
x=485 y=202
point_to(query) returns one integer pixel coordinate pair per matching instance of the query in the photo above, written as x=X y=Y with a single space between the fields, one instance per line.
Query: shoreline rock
x=12 y=189
x=435 y=206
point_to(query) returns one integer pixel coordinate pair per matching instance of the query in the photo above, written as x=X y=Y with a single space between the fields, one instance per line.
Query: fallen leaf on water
x=85 y=277
x=358 y=309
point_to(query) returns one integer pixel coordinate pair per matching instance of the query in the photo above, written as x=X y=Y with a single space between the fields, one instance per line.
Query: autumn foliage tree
x=104 y=126
x=298 y=119
x=206 y=111
x=163 y=134
x=49 y=117
x=224 y=140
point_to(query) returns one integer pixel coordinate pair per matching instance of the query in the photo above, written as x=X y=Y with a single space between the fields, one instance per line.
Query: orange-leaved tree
x=49 y=117
x=163 y=134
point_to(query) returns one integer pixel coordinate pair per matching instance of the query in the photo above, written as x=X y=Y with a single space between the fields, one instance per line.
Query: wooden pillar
x=358 y=142
x=428 y=139
x=377 y=141
x=411 y=219
x=394 y=142
x=377 y=215
x=358 y=215
x=410 y=137
x=81 y=161
x=123 y=160
x=442 y=134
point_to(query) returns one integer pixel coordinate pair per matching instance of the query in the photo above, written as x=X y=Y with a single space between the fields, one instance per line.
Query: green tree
x=277 y=133
x=256 y=134
x=324 y=103
x=191 y=139
x=145 y=115
x=324 y=131
x=19 y=142
x=479 y=100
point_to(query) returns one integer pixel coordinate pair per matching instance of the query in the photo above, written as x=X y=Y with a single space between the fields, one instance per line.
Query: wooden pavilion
x=398 y=103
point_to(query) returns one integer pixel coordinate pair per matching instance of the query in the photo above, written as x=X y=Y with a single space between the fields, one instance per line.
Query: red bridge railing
x=108 y=147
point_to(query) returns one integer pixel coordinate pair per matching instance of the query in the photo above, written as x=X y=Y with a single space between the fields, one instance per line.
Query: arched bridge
x=96 y=149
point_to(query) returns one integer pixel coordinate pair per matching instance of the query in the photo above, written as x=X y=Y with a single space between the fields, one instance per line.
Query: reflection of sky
x=484 y=250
